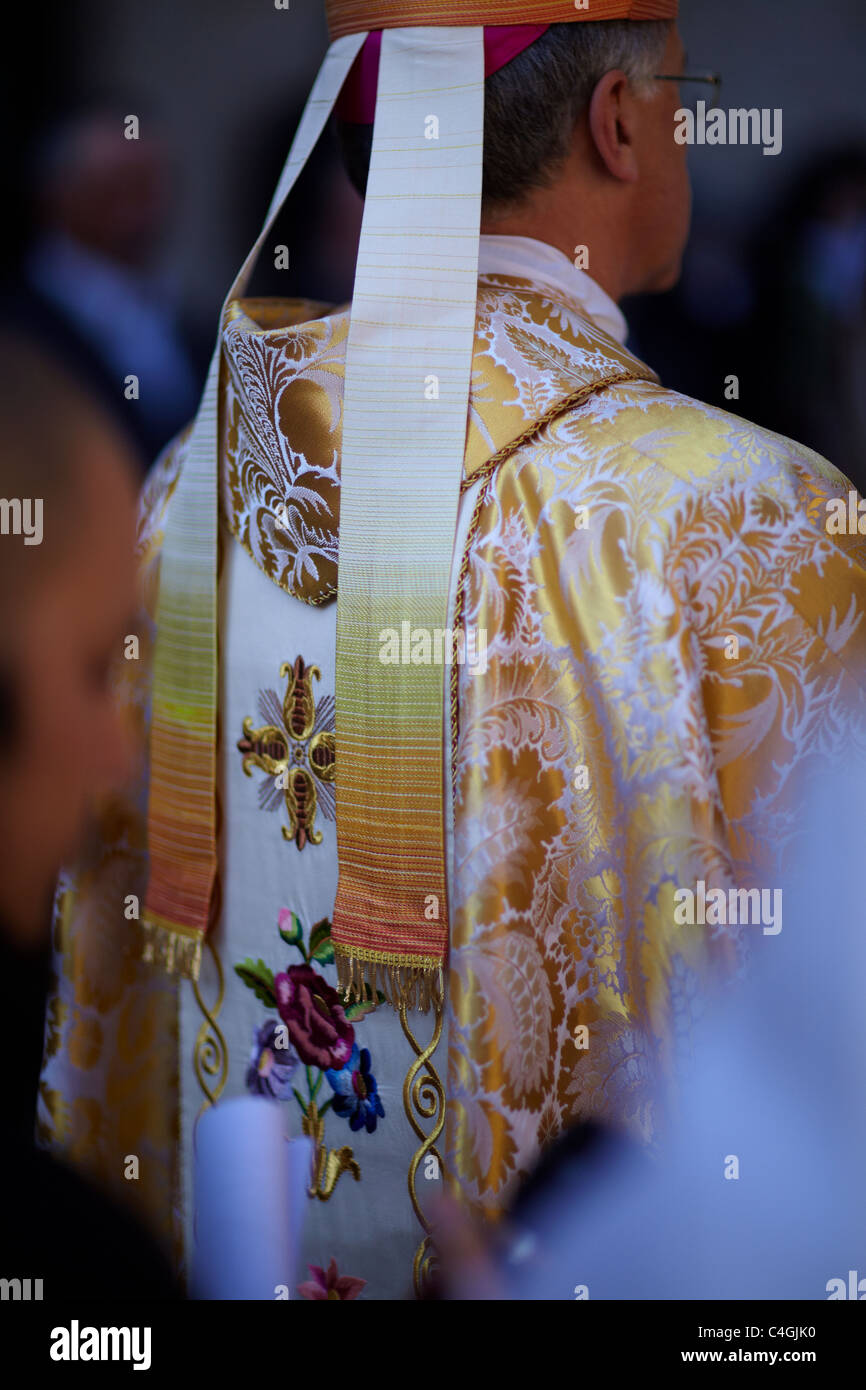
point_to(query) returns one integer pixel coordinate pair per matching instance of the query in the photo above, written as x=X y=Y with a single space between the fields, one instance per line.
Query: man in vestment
x=427 y=896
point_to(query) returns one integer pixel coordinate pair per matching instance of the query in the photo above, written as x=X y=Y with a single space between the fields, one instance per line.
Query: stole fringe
x=173 y=951
x=405 y=983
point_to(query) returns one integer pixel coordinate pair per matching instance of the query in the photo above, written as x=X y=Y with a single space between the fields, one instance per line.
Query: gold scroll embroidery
x=424 y=1097
x=328 y=1164
x=210 y=1054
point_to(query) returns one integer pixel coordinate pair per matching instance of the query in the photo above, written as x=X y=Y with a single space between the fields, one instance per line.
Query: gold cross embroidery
x=297 y=750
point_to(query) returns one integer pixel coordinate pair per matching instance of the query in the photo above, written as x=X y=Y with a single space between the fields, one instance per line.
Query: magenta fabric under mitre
x=357 y=102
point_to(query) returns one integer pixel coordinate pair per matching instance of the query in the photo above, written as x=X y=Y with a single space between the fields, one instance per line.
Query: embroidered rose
x=311 y=1009
x=333 y=1285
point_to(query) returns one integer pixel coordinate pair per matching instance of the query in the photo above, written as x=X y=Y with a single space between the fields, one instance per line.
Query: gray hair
x=532 y=105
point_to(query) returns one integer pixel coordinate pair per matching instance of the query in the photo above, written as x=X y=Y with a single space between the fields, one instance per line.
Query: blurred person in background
x=809 y=272
x=783 y=307
x=87 y=292
x=67 y=597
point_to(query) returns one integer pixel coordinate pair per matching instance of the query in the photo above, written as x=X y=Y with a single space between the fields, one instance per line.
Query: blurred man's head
x=106 y=192
x=579 y=150
x=65 y=605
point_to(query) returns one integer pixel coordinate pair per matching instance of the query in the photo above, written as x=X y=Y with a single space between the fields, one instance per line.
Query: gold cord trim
x=558 y=408
x=459 y=613
x=406 y=981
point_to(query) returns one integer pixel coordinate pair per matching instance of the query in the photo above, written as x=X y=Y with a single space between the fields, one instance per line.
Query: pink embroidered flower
x=331 y=1285
x=313 y=1013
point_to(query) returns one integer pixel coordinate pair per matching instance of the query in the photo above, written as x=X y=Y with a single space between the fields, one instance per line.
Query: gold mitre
x=359 y=16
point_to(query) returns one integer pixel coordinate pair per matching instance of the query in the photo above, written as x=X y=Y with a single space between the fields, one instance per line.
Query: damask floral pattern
x=622 y=744
x=283 y=409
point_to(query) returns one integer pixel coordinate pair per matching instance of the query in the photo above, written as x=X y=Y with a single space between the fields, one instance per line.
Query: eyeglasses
x=705 y=79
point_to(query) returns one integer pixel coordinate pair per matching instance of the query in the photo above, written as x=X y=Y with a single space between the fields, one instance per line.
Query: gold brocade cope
x=354 y=16
x=607 y=634
x=677 y=645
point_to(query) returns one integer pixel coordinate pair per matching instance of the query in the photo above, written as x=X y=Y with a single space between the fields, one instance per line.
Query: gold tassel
x=175 y=952
x=405 y=983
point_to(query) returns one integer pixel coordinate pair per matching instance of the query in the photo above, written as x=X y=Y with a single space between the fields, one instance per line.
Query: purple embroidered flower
x=272 y=1062
x=313 y=1012
x=356 y=1096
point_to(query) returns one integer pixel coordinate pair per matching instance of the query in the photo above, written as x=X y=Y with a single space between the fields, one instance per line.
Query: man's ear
x=612 y=116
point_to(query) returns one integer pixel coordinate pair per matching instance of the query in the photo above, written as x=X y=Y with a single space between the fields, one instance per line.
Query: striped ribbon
x=408 y=368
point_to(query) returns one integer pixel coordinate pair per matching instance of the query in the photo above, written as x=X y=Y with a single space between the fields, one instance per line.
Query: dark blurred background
x=106 y=246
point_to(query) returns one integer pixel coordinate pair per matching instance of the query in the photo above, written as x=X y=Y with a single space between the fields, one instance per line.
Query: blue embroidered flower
x=272 y=1061
x=356 y=1096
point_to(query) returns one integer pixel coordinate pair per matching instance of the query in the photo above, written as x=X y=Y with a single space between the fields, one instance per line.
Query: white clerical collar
x=536 y=260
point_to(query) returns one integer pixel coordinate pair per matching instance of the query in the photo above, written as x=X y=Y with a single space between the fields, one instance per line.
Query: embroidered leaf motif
x=290 y=928
x=355 y=1011
x=258 y=977
x=550 y=360
x=364 y=1006
x=321 y=949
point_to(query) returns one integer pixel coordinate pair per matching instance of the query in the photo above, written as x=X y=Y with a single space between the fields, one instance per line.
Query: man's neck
x=603 y=261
